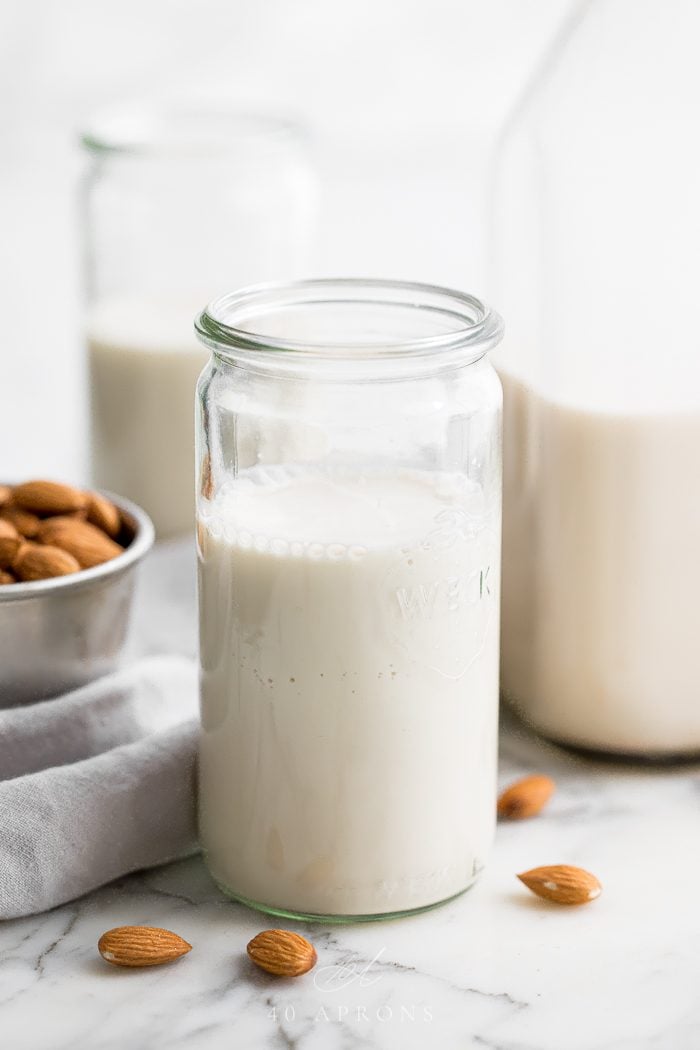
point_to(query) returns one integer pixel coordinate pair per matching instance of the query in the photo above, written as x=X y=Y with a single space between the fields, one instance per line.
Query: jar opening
x=186 y=131
x=349 y=319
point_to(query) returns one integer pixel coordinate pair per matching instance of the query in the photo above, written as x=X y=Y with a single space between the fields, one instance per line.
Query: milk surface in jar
x=349 y=605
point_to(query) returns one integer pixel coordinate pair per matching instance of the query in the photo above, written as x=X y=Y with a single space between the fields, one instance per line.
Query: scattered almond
x=88 y=544
x=24 y=521
x=526 y=797
x=48 y=497
x=282 y=953
x=36 y=562
x=102 y=513
x=6 y=577
x=10 y=541
x=141 y=946
x=562 y=884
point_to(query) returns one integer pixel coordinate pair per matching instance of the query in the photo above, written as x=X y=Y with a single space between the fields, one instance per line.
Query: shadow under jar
x=349 y=515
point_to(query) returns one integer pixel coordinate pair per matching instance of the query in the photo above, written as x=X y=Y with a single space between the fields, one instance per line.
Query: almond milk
x=601 y=572
x=144 y=363
x=349 y=649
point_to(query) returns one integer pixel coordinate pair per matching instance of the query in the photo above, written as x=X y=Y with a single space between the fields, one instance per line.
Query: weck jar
x=349 y=516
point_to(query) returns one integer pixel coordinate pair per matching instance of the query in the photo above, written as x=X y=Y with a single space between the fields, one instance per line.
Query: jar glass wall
x=349 y=458
x=176 y=201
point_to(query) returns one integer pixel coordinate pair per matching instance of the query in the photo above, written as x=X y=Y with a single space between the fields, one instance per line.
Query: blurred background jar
x=597 y=256
x=178 y=203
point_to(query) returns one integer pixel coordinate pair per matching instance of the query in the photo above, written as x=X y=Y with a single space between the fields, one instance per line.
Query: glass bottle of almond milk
x=597 y=256
x=349 y=452
x=160 y=182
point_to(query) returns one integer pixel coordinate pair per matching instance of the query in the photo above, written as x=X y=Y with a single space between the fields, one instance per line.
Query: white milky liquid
x=601 y=573
x=349 y=647
x=144 y=364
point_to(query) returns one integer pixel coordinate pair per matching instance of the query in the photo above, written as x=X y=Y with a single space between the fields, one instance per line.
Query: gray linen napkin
x=97 y=783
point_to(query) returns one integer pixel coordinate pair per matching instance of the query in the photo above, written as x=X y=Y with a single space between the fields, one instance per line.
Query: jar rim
x=465 y=325
x=195 y=130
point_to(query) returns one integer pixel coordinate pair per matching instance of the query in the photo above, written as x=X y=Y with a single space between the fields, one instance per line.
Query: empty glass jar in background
x=177 y=201
x=597 y=256
x=349 y=452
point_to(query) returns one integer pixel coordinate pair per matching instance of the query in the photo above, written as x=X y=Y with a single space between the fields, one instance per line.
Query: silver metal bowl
x=61 y=633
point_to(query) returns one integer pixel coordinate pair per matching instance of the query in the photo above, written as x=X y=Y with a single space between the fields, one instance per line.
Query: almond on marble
x=282 y=953
x=137 y=946
x=562 y=884
x=525 y=798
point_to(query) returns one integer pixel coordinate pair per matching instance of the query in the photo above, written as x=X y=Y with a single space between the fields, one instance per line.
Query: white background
x=404 y=98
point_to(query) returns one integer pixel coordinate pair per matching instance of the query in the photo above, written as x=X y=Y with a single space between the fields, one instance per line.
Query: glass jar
x=349 y=452
x=175 y=201
x=597 y=223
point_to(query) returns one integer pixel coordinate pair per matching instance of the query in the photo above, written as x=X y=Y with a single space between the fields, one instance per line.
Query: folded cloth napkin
x=97 y=783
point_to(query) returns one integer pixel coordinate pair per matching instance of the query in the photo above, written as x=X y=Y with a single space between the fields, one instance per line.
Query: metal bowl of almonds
x=68 y=561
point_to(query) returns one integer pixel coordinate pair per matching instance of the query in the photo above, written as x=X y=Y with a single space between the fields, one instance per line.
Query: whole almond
x=10 y=541
x=6 y=577
x=37 y=562
x=526 y=797
x=26 y=523
x=141 y=946
x=562 y=884
x=102 y=513
x=88 y=544
x=282 y=953
x=5 y=494
x=48 y=497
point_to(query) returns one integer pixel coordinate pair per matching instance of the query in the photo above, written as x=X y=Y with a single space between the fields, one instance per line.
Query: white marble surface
x=494 y=970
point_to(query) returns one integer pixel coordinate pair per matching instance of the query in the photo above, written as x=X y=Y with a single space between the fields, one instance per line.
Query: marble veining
x=496 y=969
